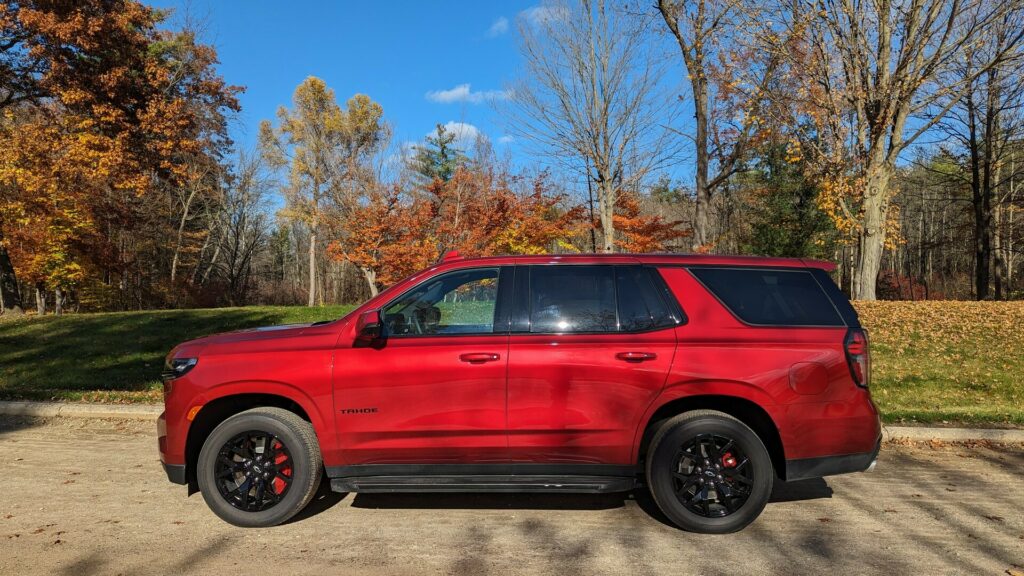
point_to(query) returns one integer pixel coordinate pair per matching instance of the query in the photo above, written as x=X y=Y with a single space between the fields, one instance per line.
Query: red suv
x=702 y=377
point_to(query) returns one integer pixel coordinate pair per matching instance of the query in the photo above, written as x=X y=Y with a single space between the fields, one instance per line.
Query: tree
x=718 y=62
x=110 y=110
x=318 y=141
x=984 y=123
x=786 y=220
x=591 y=98
x=439 y=157
x=864 y=71
x=641 y=232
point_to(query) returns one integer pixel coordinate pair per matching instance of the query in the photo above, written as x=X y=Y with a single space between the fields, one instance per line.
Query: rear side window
x=572 y=299
x=768 y=297
x=640 y=305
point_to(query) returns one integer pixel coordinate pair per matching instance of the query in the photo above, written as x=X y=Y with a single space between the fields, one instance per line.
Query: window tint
x=771 y=297
x=572 y=299
x=460 y=302
x=640 y=306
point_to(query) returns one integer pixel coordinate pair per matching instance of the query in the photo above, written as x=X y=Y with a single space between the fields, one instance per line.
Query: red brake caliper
x=278 y=483
x=728 y=460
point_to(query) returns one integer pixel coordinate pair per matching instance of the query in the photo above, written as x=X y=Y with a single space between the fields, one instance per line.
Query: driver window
x=461 y=302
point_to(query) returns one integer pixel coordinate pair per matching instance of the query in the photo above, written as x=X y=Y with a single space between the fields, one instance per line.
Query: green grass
x=947 y=362
x=933 y=362
x=116 y=357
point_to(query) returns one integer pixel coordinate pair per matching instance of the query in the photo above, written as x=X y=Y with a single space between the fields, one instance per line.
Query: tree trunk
x=312 y=268
x=607 y=209
x=371 y=280
x=40 y=299
x=701 y=223
x=10 y=296
x=181 y=233
x=876 y=212
x=58 y=302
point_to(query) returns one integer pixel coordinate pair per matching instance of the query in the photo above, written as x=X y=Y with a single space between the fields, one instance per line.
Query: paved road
x=88 y=497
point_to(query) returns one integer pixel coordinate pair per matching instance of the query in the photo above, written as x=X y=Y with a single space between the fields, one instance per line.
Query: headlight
x=178 y=367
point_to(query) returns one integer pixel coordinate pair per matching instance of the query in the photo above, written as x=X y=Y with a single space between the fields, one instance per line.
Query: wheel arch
x=226 y=405
x=743 y=409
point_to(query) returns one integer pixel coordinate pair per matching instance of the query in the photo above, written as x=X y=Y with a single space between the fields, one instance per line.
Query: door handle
x=636 y=356
x=479 y=357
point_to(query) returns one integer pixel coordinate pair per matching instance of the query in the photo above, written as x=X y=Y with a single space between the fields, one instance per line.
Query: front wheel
x=709 y=472
x=259 y=467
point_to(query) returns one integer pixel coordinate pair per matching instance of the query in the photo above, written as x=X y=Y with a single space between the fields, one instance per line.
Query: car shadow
x=489 y=501
x=323 y=500
x=782 y=492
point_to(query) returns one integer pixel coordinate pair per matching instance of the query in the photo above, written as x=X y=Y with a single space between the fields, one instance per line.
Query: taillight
x=858 y=356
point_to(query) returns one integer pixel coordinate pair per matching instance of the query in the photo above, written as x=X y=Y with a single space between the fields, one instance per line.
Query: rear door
x=590 y=348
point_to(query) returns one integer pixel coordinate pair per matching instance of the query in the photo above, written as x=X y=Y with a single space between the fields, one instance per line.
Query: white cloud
x=505 y=139
x=464 y=93
x=499 y=27
x=545 y=13
x=465 y=134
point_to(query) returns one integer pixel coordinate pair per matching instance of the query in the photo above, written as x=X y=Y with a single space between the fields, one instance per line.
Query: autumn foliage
x=112 y=116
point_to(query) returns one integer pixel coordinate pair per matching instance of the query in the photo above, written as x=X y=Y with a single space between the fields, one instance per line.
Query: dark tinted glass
x=771 y=297
x=640 y=306
x=572 y=299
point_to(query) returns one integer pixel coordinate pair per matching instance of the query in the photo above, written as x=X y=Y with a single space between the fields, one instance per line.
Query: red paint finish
x=438 y=399
x=553 y=398
x=571 y=398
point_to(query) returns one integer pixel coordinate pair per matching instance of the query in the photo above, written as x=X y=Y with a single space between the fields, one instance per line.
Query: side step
x=484 y=483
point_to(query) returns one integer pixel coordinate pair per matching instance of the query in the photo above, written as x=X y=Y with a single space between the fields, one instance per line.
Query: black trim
x=521 y=302
x=666 y=295
x=492 y=469
x=486 y=483
x=804 y=468
x=176 y=473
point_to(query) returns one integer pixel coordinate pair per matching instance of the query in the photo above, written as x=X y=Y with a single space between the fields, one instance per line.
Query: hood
x=252 y=335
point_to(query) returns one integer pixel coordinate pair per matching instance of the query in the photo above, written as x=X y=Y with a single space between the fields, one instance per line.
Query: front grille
x=168 y=374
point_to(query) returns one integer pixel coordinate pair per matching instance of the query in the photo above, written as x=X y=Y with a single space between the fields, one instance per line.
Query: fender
x=310 y=406
x=696 y=388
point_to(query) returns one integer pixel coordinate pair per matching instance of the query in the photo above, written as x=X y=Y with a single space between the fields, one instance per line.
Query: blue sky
x=395 y=52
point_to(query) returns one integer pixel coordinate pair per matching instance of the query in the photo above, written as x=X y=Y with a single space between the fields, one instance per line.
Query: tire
x=271 y=449
x=690 y=459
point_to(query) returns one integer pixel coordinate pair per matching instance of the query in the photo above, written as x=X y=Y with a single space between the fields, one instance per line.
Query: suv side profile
x=704 y=378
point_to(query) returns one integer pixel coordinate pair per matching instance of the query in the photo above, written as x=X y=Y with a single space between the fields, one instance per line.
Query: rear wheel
x=259 y=467
x=709 y=472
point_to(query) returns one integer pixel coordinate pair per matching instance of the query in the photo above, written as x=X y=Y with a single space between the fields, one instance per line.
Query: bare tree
x=709 y=34
x=591 y=98
x=245 y=225
x=871 y=76
x=984 y=124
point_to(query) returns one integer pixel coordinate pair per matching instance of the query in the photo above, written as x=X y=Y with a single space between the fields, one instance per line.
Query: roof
x=665 y=259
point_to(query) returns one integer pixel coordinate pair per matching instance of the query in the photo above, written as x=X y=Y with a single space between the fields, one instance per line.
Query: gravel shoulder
x=87 y=496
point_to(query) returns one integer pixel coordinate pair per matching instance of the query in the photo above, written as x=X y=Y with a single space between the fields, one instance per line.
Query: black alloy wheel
x=709 y=472
x=259 y=467
x=253 y=471
x=713 y=476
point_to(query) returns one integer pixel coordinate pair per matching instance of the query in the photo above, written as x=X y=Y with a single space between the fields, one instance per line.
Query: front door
x=591 y=348
x=434 y=392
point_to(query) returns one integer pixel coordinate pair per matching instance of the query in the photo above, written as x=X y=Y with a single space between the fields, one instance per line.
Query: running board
x=484 y=483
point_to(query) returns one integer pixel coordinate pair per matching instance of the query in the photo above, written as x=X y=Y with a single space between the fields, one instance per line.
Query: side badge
x=358 y=410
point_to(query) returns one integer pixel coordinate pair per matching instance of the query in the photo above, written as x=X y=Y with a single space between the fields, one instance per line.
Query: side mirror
x=369 y=329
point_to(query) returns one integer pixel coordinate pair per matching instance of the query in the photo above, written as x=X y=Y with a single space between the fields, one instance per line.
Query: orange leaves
x=393 y=233
x=637 y=232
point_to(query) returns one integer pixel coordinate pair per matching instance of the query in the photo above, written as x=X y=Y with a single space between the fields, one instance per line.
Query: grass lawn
x=934 y=362
x=947 y=362
x=117 y=357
